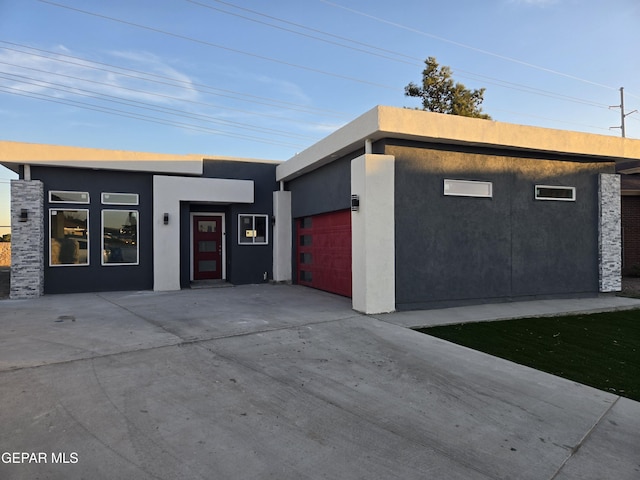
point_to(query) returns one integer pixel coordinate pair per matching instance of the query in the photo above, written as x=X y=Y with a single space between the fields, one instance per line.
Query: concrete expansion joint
x=576 y=448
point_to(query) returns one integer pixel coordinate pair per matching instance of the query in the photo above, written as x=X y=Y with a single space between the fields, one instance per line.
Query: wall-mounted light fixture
x=273 y=220
x=165 y=219
x=355 y=203
x=24 y=215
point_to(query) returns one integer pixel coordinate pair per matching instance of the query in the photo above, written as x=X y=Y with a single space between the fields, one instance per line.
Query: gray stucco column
x=27 y=239
x=609 y=233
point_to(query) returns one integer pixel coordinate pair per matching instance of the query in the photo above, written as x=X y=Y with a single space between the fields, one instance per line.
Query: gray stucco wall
x=95 y=277
x=457 y=250
x=326 y=189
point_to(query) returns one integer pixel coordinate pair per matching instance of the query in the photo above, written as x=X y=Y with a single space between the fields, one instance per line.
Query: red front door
x=207 y=247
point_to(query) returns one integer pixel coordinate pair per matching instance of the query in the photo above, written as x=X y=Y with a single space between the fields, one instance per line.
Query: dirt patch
x=630 y=287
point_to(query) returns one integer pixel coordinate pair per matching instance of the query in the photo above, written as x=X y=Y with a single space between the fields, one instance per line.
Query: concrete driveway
x=282 y=382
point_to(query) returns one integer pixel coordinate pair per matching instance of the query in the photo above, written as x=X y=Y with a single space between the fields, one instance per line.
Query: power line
x=463 y=45
x=115 y=99
x=137 y=116
x=331 y=42
x=490 y=80
x=498 y=82
x=222 y=47
x=202 y=88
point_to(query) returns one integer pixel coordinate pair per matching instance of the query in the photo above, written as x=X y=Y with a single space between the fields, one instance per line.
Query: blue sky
x=266 y=79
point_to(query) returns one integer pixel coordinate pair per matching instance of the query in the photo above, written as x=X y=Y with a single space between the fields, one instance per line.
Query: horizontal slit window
x=120 y=198
x=468 y=188
x=60 y=196
x=558 y=193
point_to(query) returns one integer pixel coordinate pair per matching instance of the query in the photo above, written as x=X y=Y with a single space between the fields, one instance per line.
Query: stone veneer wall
x=5 y=254
x=610 y=233
x=27 y=239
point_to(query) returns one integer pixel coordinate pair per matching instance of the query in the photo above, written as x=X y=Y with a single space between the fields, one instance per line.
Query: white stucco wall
x=168 y=192
x=373 y=234
x=282 y=234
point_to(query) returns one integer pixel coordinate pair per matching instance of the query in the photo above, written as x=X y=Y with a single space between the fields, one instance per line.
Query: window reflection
x=253 y=229
x=119 y=237
x=69 y=237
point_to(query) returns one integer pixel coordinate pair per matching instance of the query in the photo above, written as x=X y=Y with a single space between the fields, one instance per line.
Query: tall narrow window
x=69 y=237
x=253 y=229
x=120 y=237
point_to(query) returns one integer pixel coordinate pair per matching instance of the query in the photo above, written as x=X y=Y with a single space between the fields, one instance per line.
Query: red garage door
x=324 y=252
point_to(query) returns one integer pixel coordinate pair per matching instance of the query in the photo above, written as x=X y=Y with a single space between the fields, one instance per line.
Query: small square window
x=253 y=229
x=305 y=240
x=305 y=276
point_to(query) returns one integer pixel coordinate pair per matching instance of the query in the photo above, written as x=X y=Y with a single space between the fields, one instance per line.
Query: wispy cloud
x=61 y=74
x=292 y=91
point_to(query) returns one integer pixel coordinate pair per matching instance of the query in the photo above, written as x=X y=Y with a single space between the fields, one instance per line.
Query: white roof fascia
x=403 y=123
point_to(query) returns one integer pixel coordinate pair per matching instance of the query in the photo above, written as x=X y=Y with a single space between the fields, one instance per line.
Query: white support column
x=609 y=233
x=282 y=236
x=373 y=234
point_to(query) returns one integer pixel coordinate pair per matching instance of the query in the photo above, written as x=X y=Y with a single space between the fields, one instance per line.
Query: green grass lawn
x=601 y=350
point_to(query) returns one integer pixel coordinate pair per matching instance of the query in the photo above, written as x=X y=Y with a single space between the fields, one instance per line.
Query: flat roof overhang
x=15 y=154
x=402 y=123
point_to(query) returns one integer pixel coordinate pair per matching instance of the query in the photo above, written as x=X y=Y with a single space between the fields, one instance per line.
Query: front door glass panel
x=207 y=247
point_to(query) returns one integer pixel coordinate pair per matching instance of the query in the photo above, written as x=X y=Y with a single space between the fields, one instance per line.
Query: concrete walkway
x=286 y=382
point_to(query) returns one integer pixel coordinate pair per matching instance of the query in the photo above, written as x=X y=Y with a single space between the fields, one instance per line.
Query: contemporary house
x=399 y=209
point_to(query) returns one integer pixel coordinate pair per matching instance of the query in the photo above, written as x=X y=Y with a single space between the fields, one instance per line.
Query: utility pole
x=623 y=115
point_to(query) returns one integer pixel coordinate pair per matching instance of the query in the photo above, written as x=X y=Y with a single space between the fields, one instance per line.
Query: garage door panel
x=324 y=252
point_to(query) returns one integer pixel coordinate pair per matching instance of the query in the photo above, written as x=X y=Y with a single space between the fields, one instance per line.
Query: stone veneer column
x=609 y=233
x=27 y=239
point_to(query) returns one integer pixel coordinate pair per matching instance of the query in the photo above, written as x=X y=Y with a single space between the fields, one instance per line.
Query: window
x=120 y=237
x=59 y=196
x=550 y=192
x=120 y=198
x=468 y=188
x=69 y=234
x=253 y=229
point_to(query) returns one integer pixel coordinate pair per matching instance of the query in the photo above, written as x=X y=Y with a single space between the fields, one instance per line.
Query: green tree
x=439 y=93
